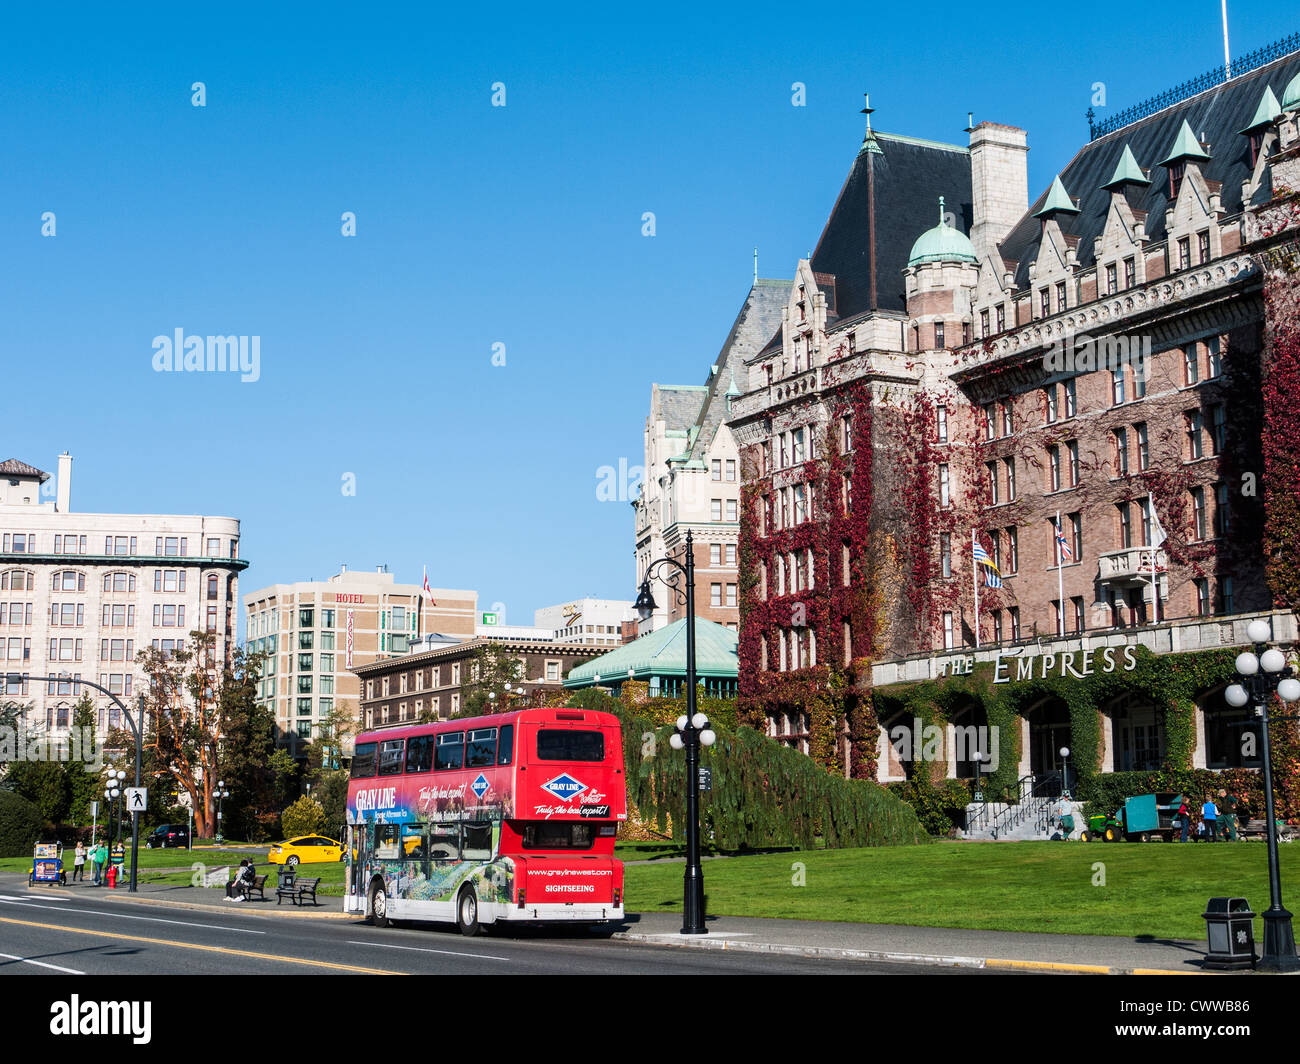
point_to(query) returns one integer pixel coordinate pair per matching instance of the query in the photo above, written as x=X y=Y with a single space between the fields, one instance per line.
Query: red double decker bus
x=506 y=817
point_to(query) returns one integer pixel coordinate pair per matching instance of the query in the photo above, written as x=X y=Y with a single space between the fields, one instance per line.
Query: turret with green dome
x=942 y=244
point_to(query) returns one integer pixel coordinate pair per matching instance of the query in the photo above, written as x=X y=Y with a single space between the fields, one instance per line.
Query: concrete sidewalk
x=1082 y=954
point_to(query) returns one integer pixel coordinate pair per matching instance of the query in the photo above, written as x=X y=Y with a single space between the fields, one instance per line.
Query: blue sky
x=476 y=225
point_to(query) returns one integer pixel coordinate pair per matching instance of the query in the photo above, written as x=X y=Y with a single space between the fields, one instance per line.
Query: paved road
x=76 y=933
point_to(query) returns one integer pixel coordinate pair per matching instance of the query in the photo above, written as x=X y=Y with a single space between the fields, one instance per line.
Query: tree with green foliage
x=83 y=782
x=21 y=825
x=248 y=765
x=491 y=669
x=191 y=696
x=305 y=817
x=44 y=784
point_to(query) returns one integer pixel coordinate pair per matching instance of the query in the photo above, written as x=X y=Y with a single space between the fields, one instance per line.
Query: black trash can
x=1230 y=928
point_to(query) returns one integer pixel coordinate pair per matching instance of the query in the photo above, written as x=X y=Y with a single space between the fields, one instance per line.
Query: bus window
x=390 y=757
x=478 y=841
x=419 y=753
x=557 y=835
x=413 y=841
x=451 y=747
x=363 y=761
x=557 y=744
x=387 y=846
x=444 y=842
x=482 y=749
x=506 y=745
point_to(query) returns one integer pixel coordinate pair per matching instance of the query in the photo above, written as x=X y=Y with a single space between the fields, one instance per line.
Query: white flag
x=1157 y=529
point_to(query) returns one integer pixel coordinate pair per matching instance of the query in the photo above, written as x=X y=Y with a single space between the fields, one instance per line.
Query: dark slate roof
x=679 y=405
x=905 y=178
x=760 y=315
x=1214 y=116
x=12 y=467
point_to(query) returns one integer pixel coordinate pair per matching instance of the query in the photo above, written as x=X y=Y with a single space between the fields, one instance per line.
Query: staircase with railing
x=1036 y=797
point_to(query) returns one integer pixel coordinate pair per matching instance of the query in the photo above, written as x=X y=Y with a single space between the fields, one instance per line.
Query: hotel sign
x=349 y=640
x=1038 y=666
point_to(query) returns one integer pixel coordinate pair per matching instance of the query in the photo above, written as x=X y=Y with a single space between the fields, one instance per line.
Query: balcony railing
x=1130 y=563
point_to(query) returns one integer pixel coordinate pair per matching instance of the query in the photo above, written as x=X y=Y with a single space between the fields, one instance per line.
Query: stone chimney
x=999 y=174
x=63 y=499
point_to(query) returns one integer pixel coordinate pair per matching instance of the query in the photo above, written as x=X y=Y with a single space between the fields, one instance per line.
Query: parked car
x=305 y=849
x=168 y=835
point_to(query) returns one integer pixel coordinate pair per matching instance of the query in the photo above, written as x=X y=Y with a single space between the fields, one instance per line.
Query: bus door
x=361 y=846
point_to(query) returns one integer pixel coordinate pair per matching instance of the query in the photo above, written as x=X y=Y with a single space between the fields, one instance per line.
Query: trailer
x=1146 y=816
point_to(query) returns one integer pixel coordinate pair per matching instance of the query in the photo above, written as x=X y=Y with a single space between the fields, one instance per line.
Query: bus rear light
x=608 y=829
x=618 y=895
x=521 y=897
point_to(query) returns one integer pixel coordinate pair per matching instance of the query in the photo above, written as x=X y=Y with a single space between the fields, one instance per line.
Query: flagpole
x=1155 y=576
x=1060 y=582
x=975 y=583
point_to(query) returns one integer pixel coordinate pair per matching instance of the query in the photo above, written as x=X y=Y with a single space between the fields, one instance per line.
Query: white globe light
x=700 y=720
x=1065 y=751
x=1247 y=664
x=1272 y=660
x=1289 y=689
x=675 y=741
x=1259 y=631
x=681 y=722
x=1235 y=695
x=708 y=737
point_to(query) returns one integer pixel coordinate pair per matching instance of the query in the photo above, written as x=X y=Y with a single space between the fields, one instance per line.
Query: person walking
x=1184 y=815
x=79 y=863
x=1210 y=814
x=1228 y=816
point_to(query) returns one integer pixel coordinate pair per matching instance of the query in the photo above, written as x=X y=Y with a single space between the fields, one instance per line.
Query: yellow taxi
x=305 y=849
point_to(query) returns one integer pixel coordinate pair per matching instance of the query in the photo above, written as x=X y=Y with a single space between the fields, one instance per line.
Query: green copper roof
x=941 y=244
x=1126 y=171
x=732 y=389
x=1186 y=146
x=1057 y=200
x=1267 y=110
x=1291 y=95
x=663 y=653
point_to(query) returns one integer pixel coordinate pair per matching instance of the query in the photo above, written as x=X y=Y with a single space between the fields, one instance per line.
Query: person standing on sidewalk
x=1210 y=814
x=1228 y=815
x=79 y=863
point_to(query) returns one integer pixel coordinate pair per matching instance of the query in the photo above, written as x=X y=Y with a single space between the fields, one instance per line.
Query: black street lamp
x=137 y=726
x=1260 y=674
x=692 y=729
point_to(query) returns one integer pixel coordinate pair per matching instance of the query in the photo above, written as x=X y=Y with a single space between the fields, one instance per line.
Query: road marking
x=41 y=964
x=423 y=949
x=127 y=916
x=198 y=946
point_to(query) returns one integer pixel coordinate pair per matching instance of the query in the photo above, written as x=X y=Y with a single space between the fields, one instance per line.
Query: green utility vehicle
x=1139 y=819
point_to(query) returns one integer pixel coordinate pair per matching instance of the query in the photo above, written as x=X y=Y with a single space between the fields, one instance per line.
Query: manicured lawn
x=1150 y=889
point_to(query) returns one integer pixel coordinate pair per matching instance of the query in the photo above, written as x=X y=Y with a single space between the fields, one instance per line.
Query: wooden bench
x=1250 y=829
x=297 y=890
x=258 y=885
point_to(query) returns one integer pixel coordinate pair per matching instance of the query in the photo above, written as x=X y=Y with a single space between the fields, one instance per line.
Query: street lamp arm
x=673 y=579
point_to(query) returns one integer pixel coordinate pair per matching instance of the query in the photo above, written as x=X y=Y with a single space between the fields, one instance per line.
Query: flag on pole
x=1157 y=529
x=1064 y=547
x=992 y=576
x=427 y=590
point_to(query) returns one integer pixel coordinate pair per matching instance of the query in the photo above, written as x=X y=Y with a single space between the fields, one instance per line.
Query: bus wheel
x=379 y=906
x=467 y=912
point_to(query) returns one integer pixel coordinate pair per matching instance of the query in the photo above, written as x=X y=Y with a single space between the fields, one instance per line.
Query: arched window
x=119 y=581
x=18 y=580
x=68 y=580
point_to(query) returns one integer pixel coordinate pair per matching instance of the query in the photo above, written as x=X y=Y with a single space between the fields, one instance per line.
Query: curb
x=884 y=955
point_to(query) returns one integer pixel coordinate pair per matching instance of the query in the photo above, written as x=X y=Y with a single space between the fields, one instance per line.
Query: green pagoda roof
x=1126 y=172
x=663 y=653
x=1186 y=146
x=1058 y=200
x=1267 y=110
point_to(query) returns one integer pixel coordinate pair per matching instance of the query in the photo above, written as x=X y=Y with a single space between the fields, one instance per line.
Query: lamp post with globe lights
x=1261 y=673
x=692 y=732
x=222 y=793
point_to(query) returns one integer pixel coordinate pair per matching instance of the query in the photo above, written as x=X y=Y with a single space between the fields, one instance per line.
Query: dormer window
x=1176 y=171
x=1184 y=253
x=1130 y=272
x=1112 y=280
x=1256 y=142
x=984 y=323
x=1045 y=302
x=1060 y=297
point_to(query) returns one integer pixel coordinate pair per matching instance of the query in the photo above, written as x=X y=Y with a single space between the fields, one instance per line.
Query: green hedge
x=764 y=795
x=21 y=825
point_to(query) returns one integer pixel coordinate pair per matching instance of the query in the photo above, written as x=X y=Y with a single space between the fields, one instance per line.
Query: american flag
x=1064 y=547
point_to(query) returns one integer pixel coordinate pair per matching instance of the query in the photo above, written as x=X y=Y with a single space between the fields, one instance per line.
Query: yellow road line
x=208 y=949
